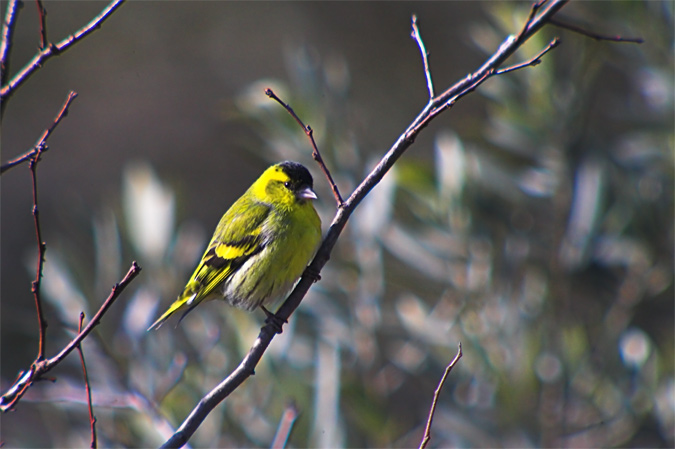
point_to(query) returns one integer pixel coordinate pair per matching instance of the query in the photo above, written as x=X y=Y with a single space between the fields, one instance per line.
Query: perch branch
x=40 y=367
x=432 y=411
x=267 y=332
x=49 y=50
x=315 y=151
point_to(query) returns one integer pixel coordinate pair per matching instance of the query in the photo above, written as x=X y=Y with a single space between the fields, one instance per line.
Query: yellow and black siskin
x=261 y=245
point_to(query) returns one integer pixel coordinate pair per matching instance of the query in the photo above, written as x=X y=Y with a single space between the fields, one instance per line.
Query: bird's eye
x=287 y=184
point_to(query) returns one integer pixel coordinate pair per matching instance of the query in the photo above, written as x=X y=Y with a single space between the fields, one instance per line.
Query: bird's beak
x=306 y=194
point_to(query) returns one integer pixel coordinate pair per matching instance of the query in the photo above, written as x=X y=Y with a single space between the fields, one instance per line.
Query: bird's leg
x=276 y=322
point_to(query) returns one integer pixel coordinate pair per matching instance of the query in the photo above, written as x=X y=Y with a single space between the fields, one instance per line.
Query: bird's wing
x=237 y=238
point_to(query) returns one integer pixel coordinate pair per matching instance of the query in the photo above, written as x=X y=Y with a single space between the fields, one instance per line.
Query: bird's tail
x=183 y=300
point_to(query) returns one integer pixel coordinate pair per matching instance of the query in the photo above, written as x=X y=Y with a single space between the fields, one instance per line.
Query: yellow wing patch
x=236 y=239
x=224 y=251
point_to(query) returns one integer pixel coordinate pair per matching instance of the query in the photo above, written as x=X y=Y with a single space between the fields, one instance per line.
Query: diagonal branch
x=598 y=37
x=41 y=145
x=285 y=426
x=522 y=35
x=248 y=364
x=7 y=33
x=41 y=367
x=467 y=85
x=536 y=60
x=315 y=151
x=51 y=50
x=432 y=411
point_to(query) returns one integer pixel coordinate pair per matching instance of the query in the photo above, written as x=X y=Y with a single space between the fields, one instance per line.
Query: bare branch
x=41 y=367
x=42 y=13
x=34 y=157
x=54 y=49
x=41 y=146
x=7 y=32
x=223 y=390
x=285 y=426
x=247 y=366
x=469 y=84
x=92 y=418
x=592 y=35
x=425 y=55
x=533 y=61
x=35 y=286
x=432 y=411
x=522 y=35
x=117 y=289
x=315 y=151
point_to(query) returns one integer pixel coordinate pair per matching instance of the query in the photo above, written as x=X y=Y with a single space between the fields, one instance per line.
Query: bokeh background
x=533 y=222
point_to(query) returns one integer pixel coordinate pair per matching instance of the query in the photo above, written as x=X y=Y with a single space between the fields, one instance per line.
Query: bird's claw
x=312 y=274
x=274 y=321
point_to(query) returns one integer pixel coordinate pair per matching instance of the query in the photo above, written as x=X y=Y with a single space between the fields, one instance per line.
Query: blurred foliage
x=542 y=239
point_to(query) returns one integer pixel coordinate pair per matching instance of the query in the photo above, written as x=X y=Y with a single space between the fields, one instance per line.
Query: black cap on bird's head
x=297 y=172
x=301 y=182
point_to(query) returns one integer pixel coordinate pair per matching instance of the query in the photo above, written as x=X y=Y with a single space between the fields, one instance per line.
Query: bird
x=260 y=247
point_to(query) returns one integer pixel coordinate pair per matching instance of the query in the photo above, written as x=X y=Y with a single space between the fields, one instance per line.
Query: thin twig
x=522 y=35
x=593 y=35
x=23 y=158
x=54 y=49
x=34 y=158
x=469 y=84
x=533 y=61
x=432 y=411
x=117 y=289
x=35 y=285
x=248 y=364
x=41 y=146
x=39 y=368
x=315 y=151
x=285 y=426
x=42 y=13
x=425 y=55
x=92 y=418
x=7 y=33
